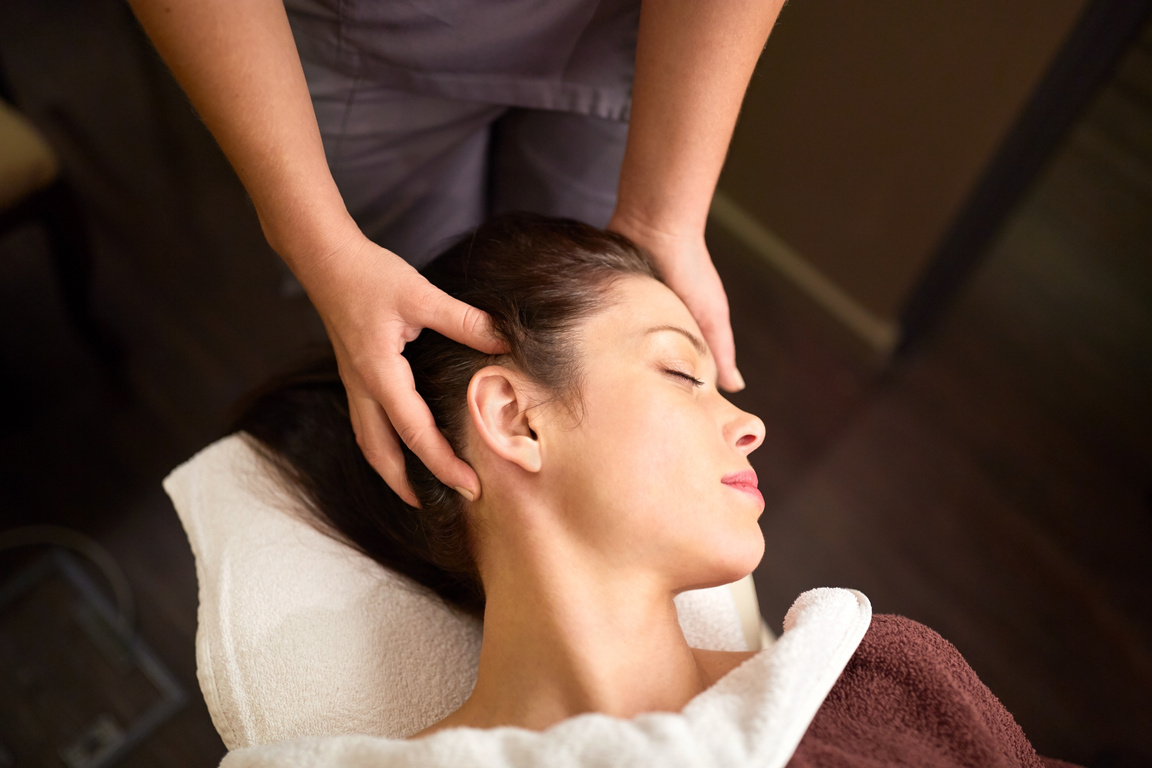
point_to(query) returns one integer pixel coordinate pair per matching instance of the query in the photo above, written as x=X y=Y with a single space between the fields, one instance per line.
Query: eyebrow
x=697 y=343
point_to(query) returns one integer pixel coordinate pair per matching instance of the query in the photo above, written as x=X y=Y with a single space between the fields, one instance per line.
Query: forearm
x=694 y=59
x=238 y=64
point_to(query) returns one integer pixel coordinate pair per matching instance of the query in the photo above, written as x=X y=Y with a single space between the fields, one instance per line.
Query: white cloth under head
x=299 y=635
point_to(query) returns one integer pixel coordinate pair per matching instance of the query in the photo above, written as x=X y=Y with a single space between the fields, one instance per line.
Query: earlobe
x=498 y=406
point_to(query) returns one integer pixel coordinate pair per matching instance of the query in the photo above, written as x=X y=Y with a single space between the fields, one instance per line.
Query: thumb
x=460 y=322
x=718 y=335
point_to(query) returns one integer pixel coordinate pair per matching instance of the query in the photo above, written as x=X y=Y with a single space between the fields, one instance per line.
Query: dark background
x=995 y=483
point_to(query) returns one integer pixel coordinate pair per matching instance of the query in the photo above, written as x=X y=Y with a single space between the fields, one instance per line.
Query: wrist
x=659 y=238
x=308 y=237
x=663 y=219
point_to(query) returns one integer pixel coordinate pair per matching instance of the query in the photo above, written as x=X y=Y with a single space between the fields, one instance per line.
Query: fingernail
x=467 y=494
x=739 y=379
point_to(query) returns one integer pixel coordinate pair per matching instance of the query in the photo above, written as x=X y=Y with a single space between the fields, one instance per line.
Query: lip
x=744 y=481
x=745 y=477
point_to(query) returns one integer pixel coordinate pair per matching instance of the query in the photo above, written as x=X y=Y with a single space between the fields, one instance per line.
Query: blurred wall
x=866 y=126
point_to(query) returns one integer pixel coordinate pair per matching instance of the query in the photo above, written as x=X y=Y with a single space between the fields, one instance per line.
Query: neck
x=564 y=635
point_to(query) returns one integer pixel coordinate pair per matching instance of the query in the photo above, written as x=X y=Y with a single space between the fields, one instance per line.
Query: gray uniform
x=438 y=113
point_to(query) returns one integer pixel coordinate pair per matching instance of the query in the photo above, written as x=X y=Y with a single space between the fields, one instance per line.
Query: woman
x=617 y=476
x=606 y=393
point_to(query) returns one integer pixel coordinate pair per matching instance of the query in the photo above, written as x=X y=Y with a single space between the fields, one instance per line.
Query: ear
x=498 y=404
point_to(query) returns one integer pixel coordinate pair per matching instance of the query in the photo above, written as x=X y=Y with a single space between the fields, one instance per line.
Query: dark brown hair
x=537 y=278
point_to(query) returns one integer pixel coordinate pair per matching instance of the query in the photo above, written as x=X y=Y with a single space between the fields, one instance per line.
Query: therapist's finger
x=717 y=330
x=415 y=426
x=458 y=321
x=380 y=445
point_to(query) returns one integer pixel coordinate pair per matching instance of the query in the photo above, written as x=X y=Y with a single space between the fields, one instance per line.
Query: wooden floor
x=997 y=485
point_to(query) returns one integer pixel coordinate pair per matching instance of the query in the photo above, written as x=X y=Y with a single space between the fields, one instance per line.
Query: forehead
x=638 y=305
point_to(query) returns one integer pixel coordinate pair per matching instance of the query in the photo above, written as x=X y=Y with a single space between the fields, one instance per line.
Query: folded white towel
x=298 y=635
x=755 y=716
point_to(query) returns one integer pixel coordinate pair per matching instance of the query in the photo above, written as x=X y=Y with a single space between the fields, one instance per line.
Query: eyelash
x=695 y=381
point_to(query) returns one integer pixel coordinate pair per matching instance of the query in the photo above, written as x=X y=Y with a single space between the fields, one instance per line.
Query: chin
x=729 y=560
x=745 y=561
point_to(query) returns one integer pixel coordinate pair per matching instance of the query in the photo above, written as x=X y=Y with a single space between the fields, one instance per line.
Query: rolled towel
x=908 y=697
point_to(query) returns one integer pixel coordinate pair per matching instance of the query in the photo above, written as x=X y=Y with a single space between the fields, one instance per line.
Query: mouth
x=744 y=482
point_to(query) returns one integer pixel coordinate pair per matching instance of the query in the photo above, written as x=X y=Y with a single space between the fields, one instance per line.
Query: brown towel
x=907 y=697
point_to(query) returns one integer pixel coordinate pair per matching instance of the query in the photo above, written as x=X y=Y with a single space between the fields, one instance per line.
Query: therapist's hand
x=689 y=272
x=693 y=63
x=372 y=304
x=239 y=65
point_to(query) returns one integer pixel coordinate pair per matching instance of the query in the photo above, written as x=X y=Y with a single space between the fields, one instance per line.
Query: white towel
x=298 y=635
x=755 y=716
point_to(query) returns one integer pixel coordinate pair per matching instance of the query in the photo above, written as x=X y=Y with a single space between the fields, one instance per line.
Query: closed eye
x=687 y=377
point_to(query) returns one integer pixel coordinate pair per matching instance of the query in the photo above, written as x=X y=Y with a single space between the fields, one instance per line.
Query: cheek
x=642 y=483
x=653 y=457
x=660 y=503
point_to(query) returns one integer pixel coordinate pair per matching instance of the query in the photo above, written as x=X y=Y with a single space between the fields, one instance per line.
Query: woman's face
x=652 y=471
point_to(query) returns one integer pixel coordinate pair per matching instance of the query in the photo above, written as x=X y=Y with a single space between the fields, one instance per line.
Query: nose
x=744 y=430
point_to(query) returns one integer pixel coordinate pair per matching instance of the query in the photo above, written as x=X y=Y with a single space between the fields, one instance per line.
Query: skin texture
x=596 y=515
x=238 y=64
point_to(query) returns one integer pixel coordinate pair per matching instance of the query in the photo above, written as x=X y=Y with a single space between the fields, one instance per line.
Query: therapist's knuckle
x=473 y=322
x=375 y=380
x=413 y=435
x=419 y=302
x=375 y=453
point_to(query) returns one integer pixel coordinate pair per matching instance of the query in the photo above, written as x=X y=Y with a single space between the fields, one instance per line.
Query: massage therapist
x=368 y=131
